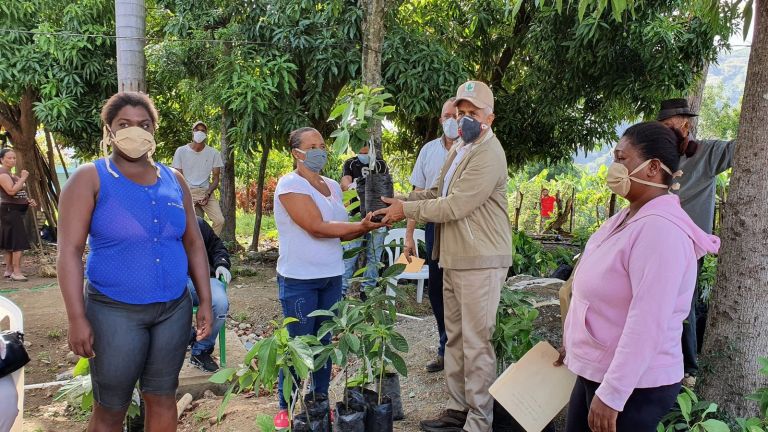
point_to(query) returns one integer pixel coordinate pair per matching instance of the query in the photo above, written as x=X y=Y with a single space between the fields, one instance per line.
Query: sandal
x=19 y=278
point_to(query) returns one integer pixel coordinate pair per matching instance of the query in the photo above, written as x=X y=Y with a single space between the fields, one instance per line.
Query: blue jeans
x=220 y=306
x=374 y=242
x=299 y=298
x=435 y=288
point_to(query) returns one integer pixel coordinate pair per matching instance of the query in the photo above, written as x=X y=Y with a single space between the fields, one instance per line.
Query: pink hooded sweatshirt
x=631 y=293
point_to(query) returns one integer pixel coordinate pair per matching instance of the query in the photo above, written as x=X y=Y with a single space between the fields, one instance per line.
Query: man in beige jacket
x=473 y=245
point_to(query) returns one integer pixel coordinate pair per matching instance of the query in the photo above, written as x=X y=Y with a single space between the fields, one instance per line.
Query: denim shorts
x=136 y=342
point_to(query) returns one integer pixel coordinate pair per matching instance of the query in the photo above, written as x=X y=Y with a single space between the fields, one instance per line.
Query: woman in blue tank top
x=133 y=319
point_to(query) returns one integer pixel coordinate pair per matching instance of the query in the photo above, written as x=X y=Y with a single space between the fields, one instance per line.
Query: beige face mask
x=134 y=142
x=620 y=180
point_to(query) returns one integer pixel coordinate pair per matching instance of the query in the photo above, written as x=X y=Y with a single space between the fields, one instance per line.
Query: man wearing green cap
x=468 y=205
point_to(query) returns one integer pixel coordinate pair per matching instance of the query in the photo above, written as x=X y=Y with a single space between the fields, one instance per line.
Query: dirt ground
x=253 y=298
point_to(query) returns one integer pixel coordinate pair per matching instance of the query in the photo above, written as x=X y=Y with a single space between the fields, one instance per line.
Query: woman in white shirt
x=311 y=224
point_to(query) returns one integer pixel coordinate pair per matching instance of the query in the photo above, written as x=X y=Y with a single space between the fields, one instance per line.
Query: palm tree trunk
x=130 y=25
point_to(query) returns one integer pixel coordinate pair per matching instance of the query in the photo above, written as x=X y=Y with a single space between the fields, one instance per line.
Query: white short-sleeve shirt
x=197 y=166
x=303 y=256
x=429 y=163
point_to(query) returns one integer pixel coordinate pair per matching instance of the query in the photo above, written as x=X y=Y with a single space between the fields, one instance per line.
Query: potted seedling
x=512 y=338
x=356 y=112
x=344 y=319
x=279 y=352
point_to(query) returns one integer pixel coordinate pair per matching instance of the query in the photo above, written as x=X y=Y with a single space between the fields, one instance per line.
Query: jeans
x=374 y=242
x=435 y=286
x=220 y=306
x=642 y=412
x=299 y=298
x=689 y=339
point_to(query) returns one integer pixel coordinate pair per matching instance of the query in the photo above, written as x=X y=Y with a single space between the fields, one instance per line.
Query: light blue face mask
x=364 y=158
x=315 y=160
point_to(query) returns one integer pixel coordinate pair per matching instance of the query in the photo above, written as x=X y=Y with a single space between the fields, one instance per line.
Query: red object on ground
x=548 y=205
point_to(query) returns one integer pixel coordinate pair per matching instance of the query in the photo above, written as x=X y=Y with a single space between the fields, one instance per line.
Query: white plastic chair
x=397 y=236
x=16 y=323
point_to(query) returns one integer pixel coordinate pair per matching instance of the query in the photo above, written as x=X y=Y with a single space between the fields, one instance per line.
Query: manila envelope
x=532 y=390
x=415 y=265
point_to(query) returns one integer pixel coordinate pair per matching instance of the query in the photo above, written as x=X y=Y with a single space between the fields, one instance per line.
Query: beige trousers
x=211 y=208
x=471 y=299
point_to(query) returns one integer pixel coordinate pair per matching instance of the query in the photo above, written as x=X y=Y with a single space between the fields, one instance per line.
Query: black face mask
x=469 y=129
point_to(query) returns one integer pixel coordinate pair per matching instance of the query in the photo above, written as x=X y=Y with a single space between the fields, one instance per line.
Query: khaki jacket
x=472 y=223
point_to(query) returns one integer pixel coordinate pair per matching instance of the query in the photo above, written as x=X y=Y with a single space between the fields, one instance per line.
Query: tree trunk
x=518 y=209
x=228 y=198
x=260 y=195
x=737 y=328
x=612 y=205
x=694 y=100
x=21 y=122
x=130 y=24
x=61 y=158
x=52 y=161
x=373 y=44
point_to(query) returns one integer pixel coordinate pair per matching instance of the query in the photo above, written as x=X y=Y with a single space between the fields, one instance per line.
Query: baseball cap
x=197 y=123
x=475 y=92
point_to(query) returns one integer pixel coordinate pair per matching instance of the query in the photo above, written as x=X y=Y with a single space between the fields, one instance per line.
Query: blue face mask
x=315 y=160
x=365 y=159
x=469 y=129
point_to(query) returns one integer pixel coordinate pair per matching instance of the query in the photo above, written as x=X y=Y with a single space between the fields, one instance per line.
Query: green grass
x=244 y=229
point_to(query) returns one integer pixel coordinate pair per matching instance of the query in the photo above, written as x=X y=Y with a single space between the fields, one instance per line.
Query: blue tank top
x=136 y=253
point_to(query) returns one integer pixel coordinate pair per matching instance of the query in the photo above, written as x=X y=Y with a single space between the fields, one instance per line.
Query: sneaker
x=281 y=419
x=435 y=365
x=204 y=362
x=448 y=421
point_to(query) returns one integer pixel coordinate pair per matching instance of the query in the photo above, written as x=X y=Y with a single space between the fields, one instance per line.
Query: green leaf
x=289 y=320
x=398 y=363
x=713 y=425
x=265 y=423
x=684 y=401
x=386 y=109
x=321 y=313
x=353 y=341
x=399 y=342
x=227 y=396
x=583 y=8
x=222 y=375
x=351 y=253
x=81 y=368
x=341 y=143
x=393 y=271
x=337 y=111
x=747 y=18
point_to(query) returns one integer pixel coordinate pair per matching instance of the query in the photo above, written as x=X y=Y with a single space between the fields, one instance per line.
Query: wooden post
x=612 y=205
x=573 y=209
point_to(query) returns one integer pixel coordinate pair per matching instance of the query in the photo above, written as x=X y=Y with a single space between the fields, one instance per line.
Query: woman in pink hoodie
x=632 y=291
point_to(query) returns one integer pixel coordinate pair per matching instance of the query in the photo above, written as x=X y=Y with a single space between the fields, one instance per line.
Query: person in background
x=425 y=173
x=547 y=207
x=311 y=224
x=219 y=264
x=14 y=203
x=468 y=202
x=702 y=162
x=354 y=172
x=631 y=292
x=201 y=166
x=132 y=320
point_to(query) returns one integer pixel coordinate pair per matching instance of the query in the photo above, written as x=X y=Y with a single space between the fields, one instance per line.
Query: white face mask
x=199 y=136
